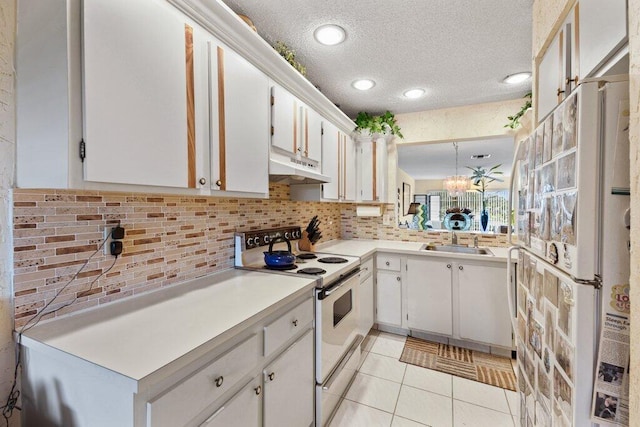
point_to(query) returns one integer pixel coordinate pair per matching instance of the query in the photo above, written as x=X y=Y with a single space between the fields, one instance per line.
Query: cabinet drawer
x=287 y=326
x=193 y=395
x=366 y=268
x=388 y=262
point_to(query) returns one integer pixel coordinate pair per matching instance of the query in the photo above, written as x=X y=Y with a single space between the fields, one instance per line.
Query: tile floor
x=387 y=392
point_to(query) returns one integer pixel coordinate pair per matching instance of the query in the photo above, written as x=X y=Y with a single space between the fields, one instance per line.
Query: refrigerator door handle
x=510 y=293
x=511 y=189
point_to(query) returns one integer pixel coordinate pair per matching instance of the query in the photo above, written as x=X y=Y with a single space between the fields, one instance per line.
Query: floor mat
x=461 y=362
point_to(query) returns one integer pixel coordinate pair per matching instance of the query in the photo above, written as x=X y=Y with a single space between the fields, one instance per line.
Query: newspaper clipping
x=611 y=389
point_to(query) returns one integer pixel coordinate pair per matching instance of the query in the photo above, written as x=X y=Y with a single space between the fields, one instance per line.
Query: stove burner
x=281 y=267
x=311 y=270
x=306 y=256
x=332 y=260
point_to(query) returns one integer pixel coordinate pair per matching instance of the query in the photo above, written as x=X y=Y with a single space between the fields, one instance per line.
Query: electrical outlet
x=108 y=240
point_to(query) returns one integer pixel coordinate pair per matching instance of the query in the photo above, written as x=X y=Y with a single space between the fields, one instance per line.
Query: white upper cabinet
x=139 y=86
x=284 y=120
x=558 y=69
x=311 y=134
x=603 y=30
x=239 y=123
x=373 y=171
x=330 y=162
x=106 y=102
x=348 y=167
x=296 y=129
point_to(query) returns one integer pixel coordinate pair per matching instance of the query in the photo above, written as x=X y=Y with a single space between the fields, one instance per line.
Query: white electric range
x=337 y=308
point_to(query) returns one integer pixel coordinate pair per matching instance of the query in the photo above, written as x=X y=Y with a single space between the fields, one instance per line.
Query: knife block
x=304 y=243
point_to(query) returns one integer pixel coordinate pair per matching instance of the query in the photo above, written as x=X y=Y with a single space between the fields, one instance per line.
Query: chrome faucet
x=454 y=238
x=475 y=241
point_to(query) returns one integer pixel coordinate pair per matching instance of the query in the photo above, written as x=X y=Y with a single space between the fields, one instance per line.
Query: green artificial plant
x=482 y=178
x=514 y=121
x=290 y=56
x=384 y=124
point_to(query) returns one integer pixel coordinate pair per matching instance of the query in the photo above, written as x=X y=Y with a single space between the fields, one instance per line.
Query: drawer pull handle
x=387 y=263
x=295 y=323
x=448 y=265
x=398 y=278
x=258 y=390
x=460 y=267
x=271 y=376
x=219 y=381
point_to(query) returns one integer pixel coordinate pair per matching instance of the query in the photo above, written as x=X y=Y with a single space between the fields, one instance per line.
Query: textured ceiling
x=458 y=50
x=436 y=161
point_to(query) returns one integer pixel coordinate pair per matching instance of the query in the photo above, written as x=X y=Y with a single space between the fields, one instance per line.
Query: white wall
x=7 y=166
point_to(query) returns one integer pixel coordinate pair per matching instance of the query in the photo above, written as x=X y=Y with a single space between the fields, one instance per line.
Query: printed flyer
x=611 y=389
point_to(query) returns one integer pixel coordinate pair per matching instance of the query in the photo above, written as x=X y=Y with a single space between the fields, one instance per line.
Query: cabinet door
x=389 y=298
x=289 y=386
x=549 y=76
x=367 y=167
x=311 y=124
x=240 y=129
x=603 y=29
x=243 y=409
x=429 y=295
x=483 y=308
x=138 y=90
x=348 y=168
x=366 y=306
x=330 y=161
x=284 y=120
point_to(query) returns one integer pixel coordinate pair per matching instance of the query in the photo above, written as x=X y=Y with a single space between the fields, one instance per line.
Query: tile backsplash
x=168 y=239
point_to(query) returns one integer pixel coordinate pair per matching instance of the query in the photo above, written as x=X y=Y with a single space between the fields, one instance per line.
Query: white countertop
x=364 y=248
x=138 y=336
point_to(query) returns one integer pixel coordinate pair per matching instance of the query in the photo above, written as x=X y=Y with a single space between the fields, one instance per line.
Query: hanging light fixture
x=456 y=185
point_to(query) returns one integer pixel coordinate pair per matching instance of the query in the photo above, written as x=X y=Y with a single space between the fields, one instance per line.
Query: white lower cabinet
x=429 y=295
x=483 y=312
x=462 y=299
x=289 y=386
x=388 y=289
x=243 y=409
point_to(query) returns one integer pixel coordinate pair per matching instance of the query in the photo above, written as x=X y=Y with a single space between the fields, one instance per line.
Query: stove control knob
x=286 y=234
x=266 y=239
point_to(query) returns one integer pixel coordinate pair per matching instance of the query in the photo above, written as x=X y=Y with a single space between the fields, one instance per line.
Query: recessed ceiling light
x=329 y=34
x=516 y=78
x=414 y=93
x=363 y=84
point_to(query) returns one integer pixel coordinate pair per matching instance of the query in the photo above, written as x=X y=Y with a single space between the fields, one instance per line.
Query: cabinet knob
x=258 y=390
x=398 y=278
x=219 y=183
x=295 y=322
x=219 y=381
x=460 y=267
x=387 y=263
x=448 y=265
x=559 y=92
x=271 y=376
x=202 y=181
x=573 y=80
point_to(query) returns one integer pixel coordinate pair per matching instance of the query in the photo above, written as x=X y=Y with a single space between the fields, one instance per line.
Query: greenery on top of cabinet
x=290 y=56
x=514 y=121
x=385 y=124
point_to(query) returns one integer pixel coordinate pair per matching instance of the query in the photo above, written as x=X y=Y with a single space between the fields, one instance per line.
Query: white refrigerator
x=570 y=182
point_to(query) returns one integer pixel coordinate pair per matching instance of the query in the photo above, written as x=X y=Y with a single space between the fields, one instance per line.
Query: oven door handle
x=338 y=284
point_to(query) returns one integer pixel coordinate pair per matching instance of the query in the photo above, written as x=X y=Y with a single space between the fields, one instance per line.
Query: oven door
x=338 y=310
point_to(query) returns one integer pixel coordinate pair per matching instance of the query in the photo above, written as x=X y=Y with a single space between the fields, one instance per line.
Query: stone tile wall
x=168 y=239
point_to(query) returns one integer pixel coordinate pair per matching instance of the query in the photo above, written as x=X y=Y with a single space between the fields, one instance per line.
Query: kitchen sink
x=458 y=249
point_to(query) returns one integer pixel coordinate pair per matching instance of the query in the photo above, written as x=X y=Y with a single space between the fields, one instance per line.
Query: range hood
x=291 y=173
